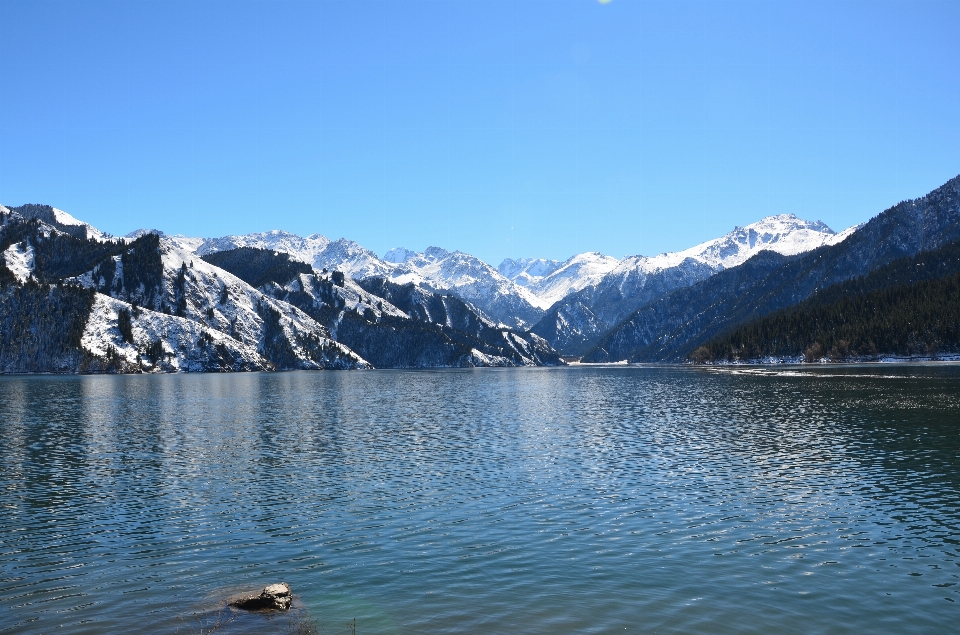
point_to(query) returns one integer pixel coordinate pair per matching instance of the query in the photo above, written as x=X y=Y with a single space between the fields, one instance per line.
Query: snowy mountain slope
x=552 y=280
x=575 y=324
x=175 y=344
x=316 y=250
x=427 y=330
x=398 y=255
x=58 y=219
x=156 y=278
x=19 y=259
x=525 y=271
x=134 y=270
x=470 y=279
x=283 y=334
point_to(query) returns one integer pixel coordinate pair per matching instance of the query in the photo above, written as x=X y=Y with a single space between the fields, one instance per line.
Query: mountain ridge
x=276 y=300
x=668 y=328
x=576 y=324
x=149 y=303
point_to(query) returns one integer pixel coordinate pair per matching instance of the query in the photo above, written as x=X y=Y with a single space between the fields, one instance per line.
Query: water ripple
x=575 y=500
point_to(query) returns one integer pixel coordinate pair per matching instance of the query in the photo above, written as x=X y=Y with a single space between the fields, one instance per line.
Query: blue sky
x=500 y=128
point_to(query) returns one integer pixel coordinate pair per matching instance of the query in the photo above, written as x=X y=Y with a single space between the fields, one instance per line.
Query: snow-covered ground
x=19 y=260
x=552 y=280
x=179 y=337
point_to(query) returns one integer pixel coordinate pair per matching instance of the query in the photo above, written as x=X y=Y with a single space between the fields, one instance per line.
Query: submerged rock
x=275 y=597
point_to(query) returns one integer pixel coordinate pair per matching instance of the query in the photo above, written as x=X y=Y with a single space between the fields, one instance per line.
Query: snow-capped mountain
x=672 y=327
x=142 y=305
x=152 y=303
x=212 y=307
x=470 y=279
x=575 y=324
x=525 y=271
x=785 y=234
x=59 y=219
x=316 y=250
x=435 y=269
x=553 y=280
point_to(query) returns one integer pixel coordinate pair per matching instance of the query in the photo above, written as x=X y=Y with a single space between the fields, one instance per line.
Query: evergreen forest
x=909 y=307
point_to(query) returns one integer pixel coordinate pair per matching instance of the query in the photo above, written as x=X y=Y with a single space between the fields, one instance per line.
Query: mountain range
x=276 y=300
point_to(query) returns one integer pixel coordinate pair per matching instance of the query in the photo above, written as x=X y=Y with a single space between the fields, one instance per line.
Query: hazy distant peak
x=137 y=233
x=398 y=255
x=437 y=253
x=533 y=267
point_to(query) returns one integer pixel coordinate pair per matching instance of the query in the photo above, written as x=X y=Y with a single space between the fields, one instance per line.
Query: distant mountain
x=576 y=323
x=671 y=326
x=470 y=279
x=390 y=325
x=552 y=280
x=316 y=250
x=524 y=271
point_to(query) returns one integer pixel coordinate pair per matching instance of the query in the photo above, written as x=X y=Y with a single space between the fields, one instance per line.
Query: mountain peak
x=60 y=220
x=398 y=255
x=786 y=234
x=788 y=222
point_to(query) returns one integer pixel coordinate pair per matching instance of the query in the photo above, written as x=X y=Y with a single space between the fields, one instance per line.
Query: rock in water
x=275 y=597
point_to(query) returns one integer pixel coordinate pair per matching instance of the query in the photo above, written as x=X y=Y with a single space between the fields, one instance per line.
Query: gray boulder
x=275 y=597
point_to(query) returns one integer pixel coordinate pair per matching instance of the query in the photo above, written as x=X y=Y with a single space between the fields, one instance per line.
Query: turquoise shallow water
x=569 y=500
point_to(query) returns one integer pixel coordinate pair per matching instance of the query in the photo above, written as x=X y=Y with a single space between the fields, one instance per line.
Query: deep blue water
x=569 y=500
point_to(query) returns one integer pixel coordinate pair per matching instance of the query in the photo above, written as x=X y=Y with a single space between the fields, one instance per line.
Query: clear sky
x=500 y=128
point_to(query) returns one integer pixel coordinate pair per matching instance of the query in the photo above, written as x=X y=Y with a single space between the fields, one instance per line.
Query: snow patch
x=19 y=259
x=179 y=338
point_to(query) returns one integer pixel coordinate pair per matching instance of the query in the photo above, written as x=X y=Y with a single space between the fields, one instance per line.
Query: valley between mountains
x=73 y=299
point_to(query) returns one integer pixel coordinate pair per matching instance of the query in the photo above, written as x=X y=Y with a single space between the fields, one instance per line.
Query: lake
x=548 y=500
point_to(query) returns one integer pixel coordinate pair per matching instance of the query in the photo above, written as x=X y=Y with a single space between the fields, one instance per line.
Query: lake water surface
x=567 y=500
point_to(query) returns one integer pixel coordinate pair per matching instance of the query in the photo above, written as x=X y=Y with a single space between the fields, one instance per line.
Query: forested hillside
x=41 y=326
x=257 y=267
x=909 y=307
x=922 y=319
